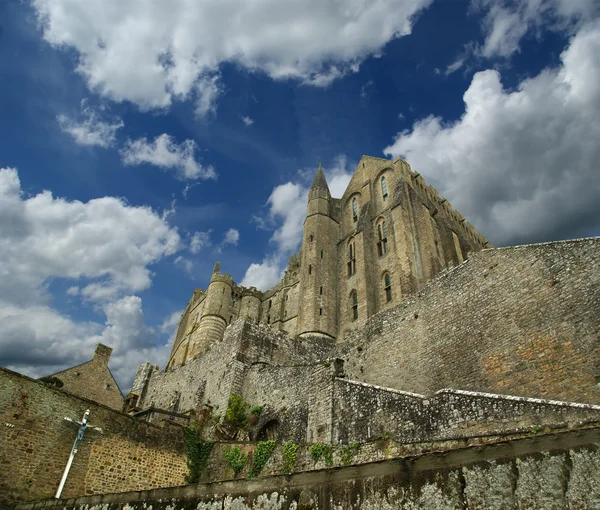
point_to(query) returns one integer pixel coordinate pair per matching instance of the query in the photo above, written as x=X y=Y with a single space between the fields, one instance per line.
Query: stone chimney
x=102 y=353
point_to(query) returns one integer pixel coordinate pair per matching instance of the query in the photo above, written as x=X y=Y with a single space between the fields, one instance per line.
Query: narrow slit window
x=354 y=209
x=309 y=269
x=354 y=298
x=384 y=188
x=382 y=247
x=321 y=253
x=387 y=287
x=320 y=311
x=351 y=259
x=321 y=291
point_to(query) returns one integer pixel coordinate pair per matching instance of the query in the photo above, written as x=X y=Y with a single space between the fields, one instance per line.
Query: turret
x=250 y=304
x=215 y=313
x=318 y=262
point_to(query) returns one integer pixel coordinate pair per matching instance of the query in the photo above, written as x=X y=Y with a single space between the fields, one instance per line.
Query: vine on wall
x=263 y=452
x=289 y=456
x=236 y=459
x=198 y=451
x=322 y=451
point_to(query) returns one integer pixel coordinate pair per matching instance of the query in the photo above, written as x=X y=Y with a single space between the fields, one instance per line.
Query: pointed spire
x=319 y=180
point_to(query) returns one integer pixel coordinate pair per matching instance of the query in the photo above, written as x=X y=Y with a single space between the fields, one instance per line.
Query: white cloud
x=104 y=244
x=152 y=53
x=247 y=120
x=265 y=275
x=199 y=240
x=455 y=66
x=521 y=165
x=287 y=211
x=186 y=264
x=165 y=153
x=507 y=21
x=91 y=129
x=232 y=236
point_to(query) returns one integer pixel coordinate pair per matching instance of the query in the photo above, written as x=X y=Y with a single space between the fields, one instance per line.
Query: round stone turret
x=250 y=304
x=215 y=314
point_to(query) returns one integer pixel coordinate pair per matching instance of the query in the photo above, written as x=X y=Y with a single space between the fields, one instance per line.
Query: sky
x=142 y=141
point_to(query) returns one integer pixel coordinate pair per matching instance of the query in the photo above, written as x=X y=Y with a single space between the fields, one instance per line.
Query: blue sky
x=142 y=141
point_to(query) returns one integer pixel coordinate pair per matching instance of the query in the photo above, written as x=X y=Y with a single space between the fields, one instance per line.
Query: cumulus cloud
x=93 y=127
x=165 y=153
x=506 y=22
x=287 y=210
x=105 y=246
x=232 y=236
x=152 y=53
x=521 y=165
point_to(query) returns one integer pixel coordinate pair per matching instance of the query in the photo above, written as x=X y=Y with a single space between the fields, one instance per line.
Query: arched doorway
x=269 y=431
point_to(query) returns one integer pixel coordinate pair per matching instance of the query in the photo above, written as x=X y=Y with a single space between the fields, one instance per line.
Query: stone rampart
x=521 y=321
x=544 y=472
x=363 y=412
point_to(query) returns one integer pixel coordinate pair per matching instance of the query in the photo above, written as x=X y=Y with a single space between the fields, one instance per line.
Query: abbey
x=393 y=309
x=383 y=240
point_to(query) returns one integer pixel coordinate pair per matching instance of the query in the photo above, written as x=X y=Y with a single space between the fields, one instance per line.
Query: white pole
x=66 y=472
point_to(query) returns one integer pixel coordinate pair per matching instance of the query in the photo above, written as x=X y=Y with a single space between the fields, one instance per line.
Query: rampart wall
x=35 y=443
x=521 y=321
x=544 y=472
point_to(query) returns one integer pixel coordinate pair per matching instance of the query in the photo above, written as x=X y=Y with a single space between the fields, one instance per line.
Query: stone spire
x=320 y=181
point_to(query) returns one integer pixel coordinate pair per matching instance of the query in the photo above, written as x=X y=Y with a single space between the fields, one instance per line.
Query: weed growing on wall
x=263 y=452
x=349 y=452
x=322 y=451
x=236 y=459
x=235 y=414
x=198 y=451
x=256 y=410
x=289 y=456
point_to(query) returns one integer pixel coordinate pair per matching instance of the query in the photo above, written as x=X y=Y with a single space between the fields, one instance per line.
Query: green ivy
x=263 y=452
x=256 y=410
x=289 y=456
x=236 y=459
x=348 y=452
x=198 y=451
x=324 y=451
x=235 y=414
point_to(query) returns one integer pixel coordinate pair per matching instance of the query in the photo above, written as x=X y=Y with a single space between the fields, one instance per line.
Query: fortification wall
x=35 y=443
x=362 y=412
x=553 y=471
x=521 y=321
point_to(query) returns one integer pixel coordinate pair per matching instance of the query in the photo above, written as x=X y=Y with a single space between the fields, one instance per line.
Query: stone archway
x=269 y=431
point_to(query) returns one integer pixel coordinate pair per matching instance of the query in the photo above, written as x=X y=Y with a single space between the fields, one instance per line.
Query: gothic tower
x=318 y=276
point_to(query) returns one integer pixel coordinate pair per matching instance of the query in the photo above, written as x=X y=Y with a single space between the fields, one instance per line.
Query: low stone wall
x=549 y=471
x=363 y=412
x=35 y=443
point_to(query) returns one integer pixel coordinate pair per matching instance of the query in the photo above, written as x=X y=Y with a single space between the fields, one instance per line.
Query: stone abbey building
x=382 y=241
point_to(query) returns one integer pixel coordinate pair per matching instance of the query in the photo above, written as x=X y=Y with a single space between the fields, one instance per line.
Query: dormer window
x=384 y=189
x=354 y=209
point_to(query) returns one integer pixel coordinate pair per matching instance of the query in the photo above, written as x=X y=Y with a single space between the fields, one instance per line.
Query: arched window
x=354 y=304
x=382 y=247
x=384 y=190
x=387 y=287
x=354 y=209
x=351 y=258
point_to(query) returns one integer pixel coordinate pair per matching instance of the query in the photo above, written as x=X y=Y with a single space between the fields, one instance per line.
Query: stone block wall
x=521 y=321
x=546 y=472
x=362 y=412
x=35 y=443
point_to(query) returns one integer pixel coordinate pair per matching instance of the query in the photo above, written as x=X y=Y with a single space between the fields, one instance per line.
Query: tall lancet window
x=354 y=209
x=387 y=287
x=384 y=190
x=382 y=247
x=354 y=304
x=351 y=258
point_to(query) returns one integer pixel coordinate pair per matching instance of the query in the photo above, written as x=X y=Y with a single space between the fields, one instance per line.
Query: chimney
x=102 y=353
